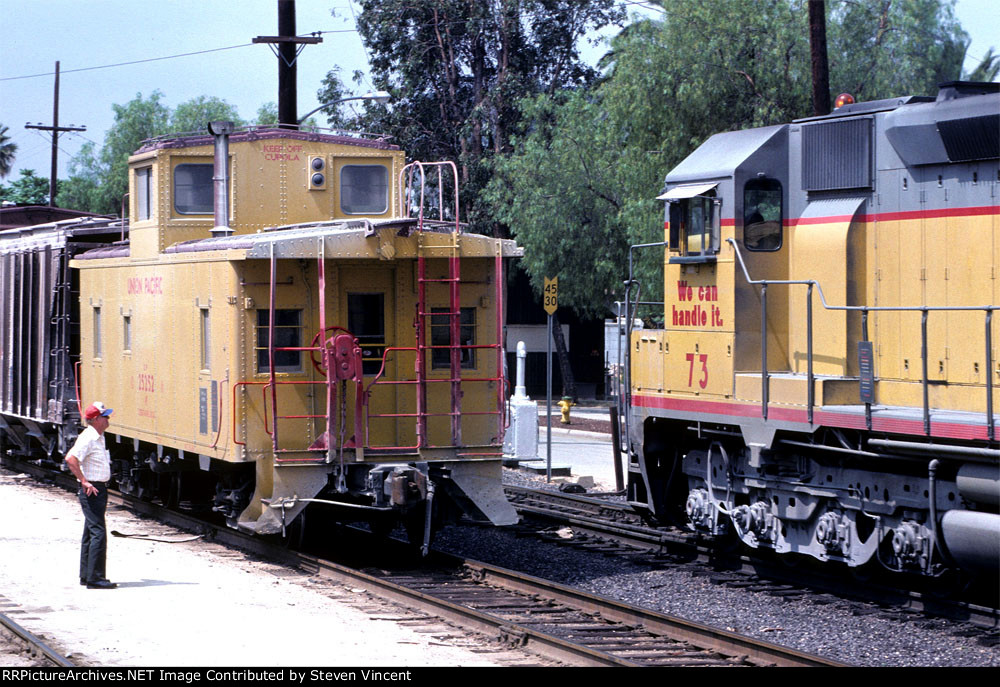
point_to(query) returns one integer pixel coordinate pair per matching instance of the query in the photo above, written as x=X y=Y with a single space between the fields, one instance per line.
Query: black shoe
x=83 y=582
x=101 y=584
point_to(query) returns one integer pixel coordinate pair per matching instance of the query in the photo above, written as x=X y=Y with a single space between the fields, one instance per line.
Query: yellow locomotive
x=823 y=382
x=284 y=324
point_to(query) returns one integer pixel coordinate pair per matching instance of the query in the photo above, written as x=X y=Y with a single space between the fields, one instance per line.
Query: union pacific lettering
x=148 y=286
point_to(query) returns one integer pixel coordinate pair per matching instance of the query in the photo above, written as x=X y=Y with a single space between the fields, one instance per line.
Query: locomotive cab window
x=364 y=189
x=762 y=214
x=694 y=223
x=193 y=193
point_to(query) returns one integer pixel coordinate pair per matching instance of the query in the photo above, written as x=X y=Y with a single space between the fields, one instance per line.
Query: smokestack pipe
x=220 y=178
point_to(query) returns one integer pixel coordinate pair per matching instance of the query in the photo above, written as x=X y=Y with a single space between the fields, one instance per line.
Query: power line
x=156 y=59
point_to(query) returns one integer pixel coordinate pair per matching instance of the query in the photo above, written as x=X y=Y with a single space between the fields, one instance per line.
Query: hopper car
x=824 y=380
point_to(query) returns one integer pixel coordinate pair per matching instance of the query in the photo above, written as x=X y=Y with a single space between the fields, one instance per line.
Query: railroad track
x=26 y=643
x=547 y=619
x=612 y=528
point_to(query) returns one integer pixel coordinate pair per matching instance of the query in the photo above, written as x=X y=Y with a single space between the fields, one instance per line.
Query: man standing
x=90 y=463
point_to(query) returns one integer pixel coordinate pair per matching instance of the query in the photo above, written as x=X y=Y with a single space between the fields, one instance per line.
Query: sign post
x=550 y=298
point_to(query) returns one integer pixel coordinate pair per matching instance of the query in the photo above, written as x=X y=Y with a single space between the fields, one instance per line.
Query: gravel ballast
x=839 y=630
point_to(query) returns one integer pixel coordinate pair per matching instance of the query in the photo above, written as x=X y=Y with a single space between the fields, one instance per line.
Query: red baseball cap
x=97 y=409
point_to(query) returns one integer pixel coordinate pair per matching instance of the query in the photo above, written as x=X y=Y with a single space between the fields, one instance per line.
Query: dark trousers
x=94 y=547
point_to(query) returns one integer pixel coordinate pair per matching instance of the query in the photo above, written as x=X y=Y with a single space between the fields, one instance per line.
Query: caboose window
x=762 y=214
x=441 y=336
x=364 y=189
x=205 y=329
x=366 y=321
x=142 y=190
x=127 y=333
x=193 y=189
x=287 y=334
x=97 y=332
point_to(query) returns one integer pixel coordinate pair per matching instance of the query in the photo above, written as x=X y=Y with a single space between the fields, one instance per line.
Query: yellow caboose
x=285 y=326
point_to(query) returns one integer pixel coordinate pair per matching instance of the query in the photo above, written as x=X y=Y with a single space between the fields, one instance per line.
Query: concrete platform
x=539 y=467
x=191 y=603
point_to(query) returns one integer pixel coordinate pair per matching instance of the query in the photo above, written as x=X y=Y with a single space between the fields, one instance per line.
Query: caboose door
x=368 y=310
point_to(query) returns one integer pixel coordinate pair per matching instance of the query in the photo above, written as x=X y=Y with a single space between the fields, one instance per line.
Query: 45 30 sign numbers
x=550 y=296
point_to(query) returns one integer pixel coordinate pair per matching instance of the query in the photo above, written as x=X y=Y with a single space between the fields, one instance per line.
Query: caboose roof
x=265 y=133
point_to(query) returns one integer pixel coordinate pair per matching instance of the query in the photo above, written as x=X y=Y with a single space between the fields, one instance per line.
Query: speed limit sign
x=550 y=296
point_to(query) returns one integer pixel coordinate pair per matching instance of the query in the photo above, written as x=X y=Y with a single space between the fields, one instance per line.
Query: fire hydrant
x=564 y=406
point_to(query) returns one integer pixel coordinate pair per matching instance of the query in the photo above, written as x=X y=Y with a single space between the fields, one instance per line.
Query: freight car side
x=39 y=315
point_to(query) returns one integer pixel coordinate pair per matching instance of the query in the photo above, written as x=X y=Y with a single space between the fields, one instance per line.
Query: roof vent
x=951 y=90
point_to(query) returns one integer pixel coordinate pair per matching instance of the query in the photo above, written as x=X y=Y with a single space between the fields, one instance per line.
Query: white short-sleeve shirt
x=91 y=451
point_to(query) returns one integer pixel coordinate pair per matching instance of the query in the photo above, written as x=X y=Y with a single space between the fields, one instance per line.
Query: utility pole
x=56 y=130
x=288 y=48
x=820 y=68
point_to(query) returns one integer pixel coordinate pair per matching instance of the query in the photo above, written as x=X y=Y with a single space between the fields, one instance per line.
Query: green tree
x=581 y=184
x=193 y=116
x=99 y=180
x=81 y=191
x=332 y=90
x=987 y=69
x=885 y=48
x=135 y=121
x=28 y=189
x=457 y=69
x=7 y=151
x=562 y=196
x=267 y=114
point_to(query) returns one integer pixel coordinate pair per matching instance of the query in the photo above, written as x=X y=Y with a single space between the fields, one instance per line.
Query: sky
x=82 y=34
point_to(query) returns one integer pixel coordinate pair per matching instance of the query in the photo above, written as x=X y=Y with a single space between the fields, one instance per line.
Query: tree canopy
x=28 y=189
x=457 y=69
x=99 y=177
x=580 y=184
x=8 y=149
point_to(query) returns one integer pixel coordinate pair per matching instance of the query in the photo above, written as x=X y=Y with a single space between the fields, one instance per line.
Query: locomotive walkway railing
x=864 y=310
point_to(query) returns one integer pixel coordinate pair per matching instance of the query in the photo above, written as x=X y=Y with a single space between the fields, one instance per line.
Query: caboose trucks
x=312 y=345
x=823 y=383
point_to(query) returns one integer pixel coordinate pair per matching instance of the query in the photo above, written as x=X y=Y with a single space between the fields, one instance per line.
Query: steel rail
x=35 y=643
x=549 y=645
x=688 y=544
x=679 y=629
